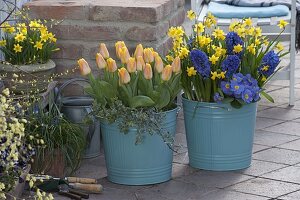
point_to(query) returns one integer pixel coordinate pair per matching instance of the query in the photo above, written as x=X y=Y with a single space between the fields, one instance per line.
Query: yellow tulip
x=131 y=65
x=100 y=61
x=167 y=73
x=176 y=65
x=124 y=55
x=159 y=65
x=124 y=76
x=155 y=54
x=148 y=71
x=139 y=51
x=84 y=67
x=140 y=63
x=148 y=55
x=103 y=50
x=119 y=46
x=111 y=65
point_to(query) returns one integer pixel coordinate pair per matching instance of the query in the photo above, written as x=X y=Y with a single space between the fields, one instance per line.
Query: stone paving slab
x=293 y=145
x=291 y=196
x=226 y=195
x=280 y=156
x=213 y=179
x=259 y=168
x=271 y=139
x=291 y=128
x=257 y=147
x=262 y=122
x=265 y=187
x=289 y=174
x=279 y=113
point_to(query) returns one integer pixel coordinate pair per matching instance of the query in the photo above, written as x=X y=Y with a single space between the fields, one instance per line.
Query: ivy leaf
x=267 y=96
x=236 y=104
x=141 y=101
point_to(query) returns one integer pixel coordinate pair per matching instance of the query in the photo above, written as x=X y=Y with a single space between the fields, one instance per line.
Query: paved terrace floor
x=273 y=175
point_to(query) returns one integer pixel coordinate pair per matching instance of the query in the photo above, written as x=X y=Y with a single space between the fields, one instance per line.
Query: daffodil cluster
x=142 y=79
x=27 y=42
x=211 y=60
x=16 y=146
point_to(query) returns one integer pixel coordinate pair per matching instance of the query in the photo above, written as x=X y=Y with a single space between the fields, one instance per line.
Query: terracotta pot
x=32 y=77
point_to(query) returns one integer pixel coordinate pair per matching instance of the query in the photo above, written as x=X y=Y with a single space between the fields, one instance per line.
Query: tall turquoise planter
x=219 y=137
x=146 y=163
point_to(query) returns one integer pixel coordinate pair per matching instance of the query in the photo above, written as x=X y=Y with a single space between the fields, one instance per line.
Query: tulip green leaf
x=141 y=101
x=164 y=97
x=267 y=96
x=107 y=89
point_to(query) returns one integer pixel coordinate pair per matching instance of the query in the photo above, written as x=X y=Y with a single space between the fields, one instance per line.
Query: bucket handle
x=65 y=84
x=92 y=128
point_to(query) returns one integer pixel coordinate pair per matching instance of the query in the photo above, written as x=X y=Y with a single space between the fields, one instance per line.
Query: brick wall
x=88 y=22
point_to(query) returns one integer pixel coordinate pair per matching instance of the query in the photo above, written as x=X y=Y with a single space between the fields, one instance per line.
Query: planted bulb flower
x=176 y=65
x=103 y=50
x=124 y=55
x=159 y=65
x=124 y=76
x=139 y=51
x=148 y=55
x=100 y=61
x=167 y=73
x=140 y=63
x=84 y=67
x=119 y=46
x=111 y=65
x=131 y=65
x=148 y=71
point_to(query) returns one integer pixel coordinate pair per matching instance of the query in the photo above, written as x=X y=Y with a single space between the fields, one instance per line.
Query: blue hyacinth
x=269 y=63
x=201 y=63
x=230 y=65
x=218 y=98
x=232 y=39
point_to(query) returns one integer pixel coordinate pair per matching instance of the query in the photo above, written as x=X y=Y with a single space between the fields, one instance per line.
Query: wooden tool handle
x=70 y=195
x=81 y=194
x=81 y=180
x=91 y=188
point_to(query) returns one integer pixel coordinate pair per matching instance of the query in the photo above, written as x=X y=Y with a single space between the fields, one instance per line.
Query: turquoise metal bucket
x=147 y=163
x=219 y=137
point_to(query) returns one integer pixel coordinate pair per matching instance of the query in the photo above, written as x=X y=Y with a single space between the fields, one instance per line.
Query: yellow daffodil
x=214 y=75
x=237 y=48
x=20 y=37
x=279 y=47
x=219 y=34
x=51 y=37
x=265 y=68
x=191 y=71
x=232 y=26
x=8 y=28
x=266 y=42
x=191 y=14
x=251 y=49
x=17 y=48
x=248 y=22
x=221 y=75
x=213 y=59
x=169 y=58
x=282 y=24
x=241 y=32
x=2 y=43
x=257 y=42
x=44 y=37
x=263 y=79
x=258 y=31
x=184 y=52
x=38 y=45
x=34 y=25
x=199 y=28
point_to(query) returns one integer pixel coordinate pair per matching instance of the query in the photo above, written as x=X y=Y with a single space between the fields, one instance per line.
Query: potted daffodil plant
x=223 y=77
x=134 y=101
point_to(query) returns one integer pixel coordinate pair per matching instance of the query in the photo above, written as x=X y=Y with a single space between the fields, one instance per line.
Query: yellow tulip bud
x=140 y=63
x=148 y=55
x=155 y=54
x=103 y=50
x=159 y=65
x=124 y=55
x=124 y=76
x=167 y=73
x=148 y=71
x=119 y=46
x=100 y=61
x=84 y=67
x=139 y=51
x=131 y=65
x=176 y=65
x=111 y=65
